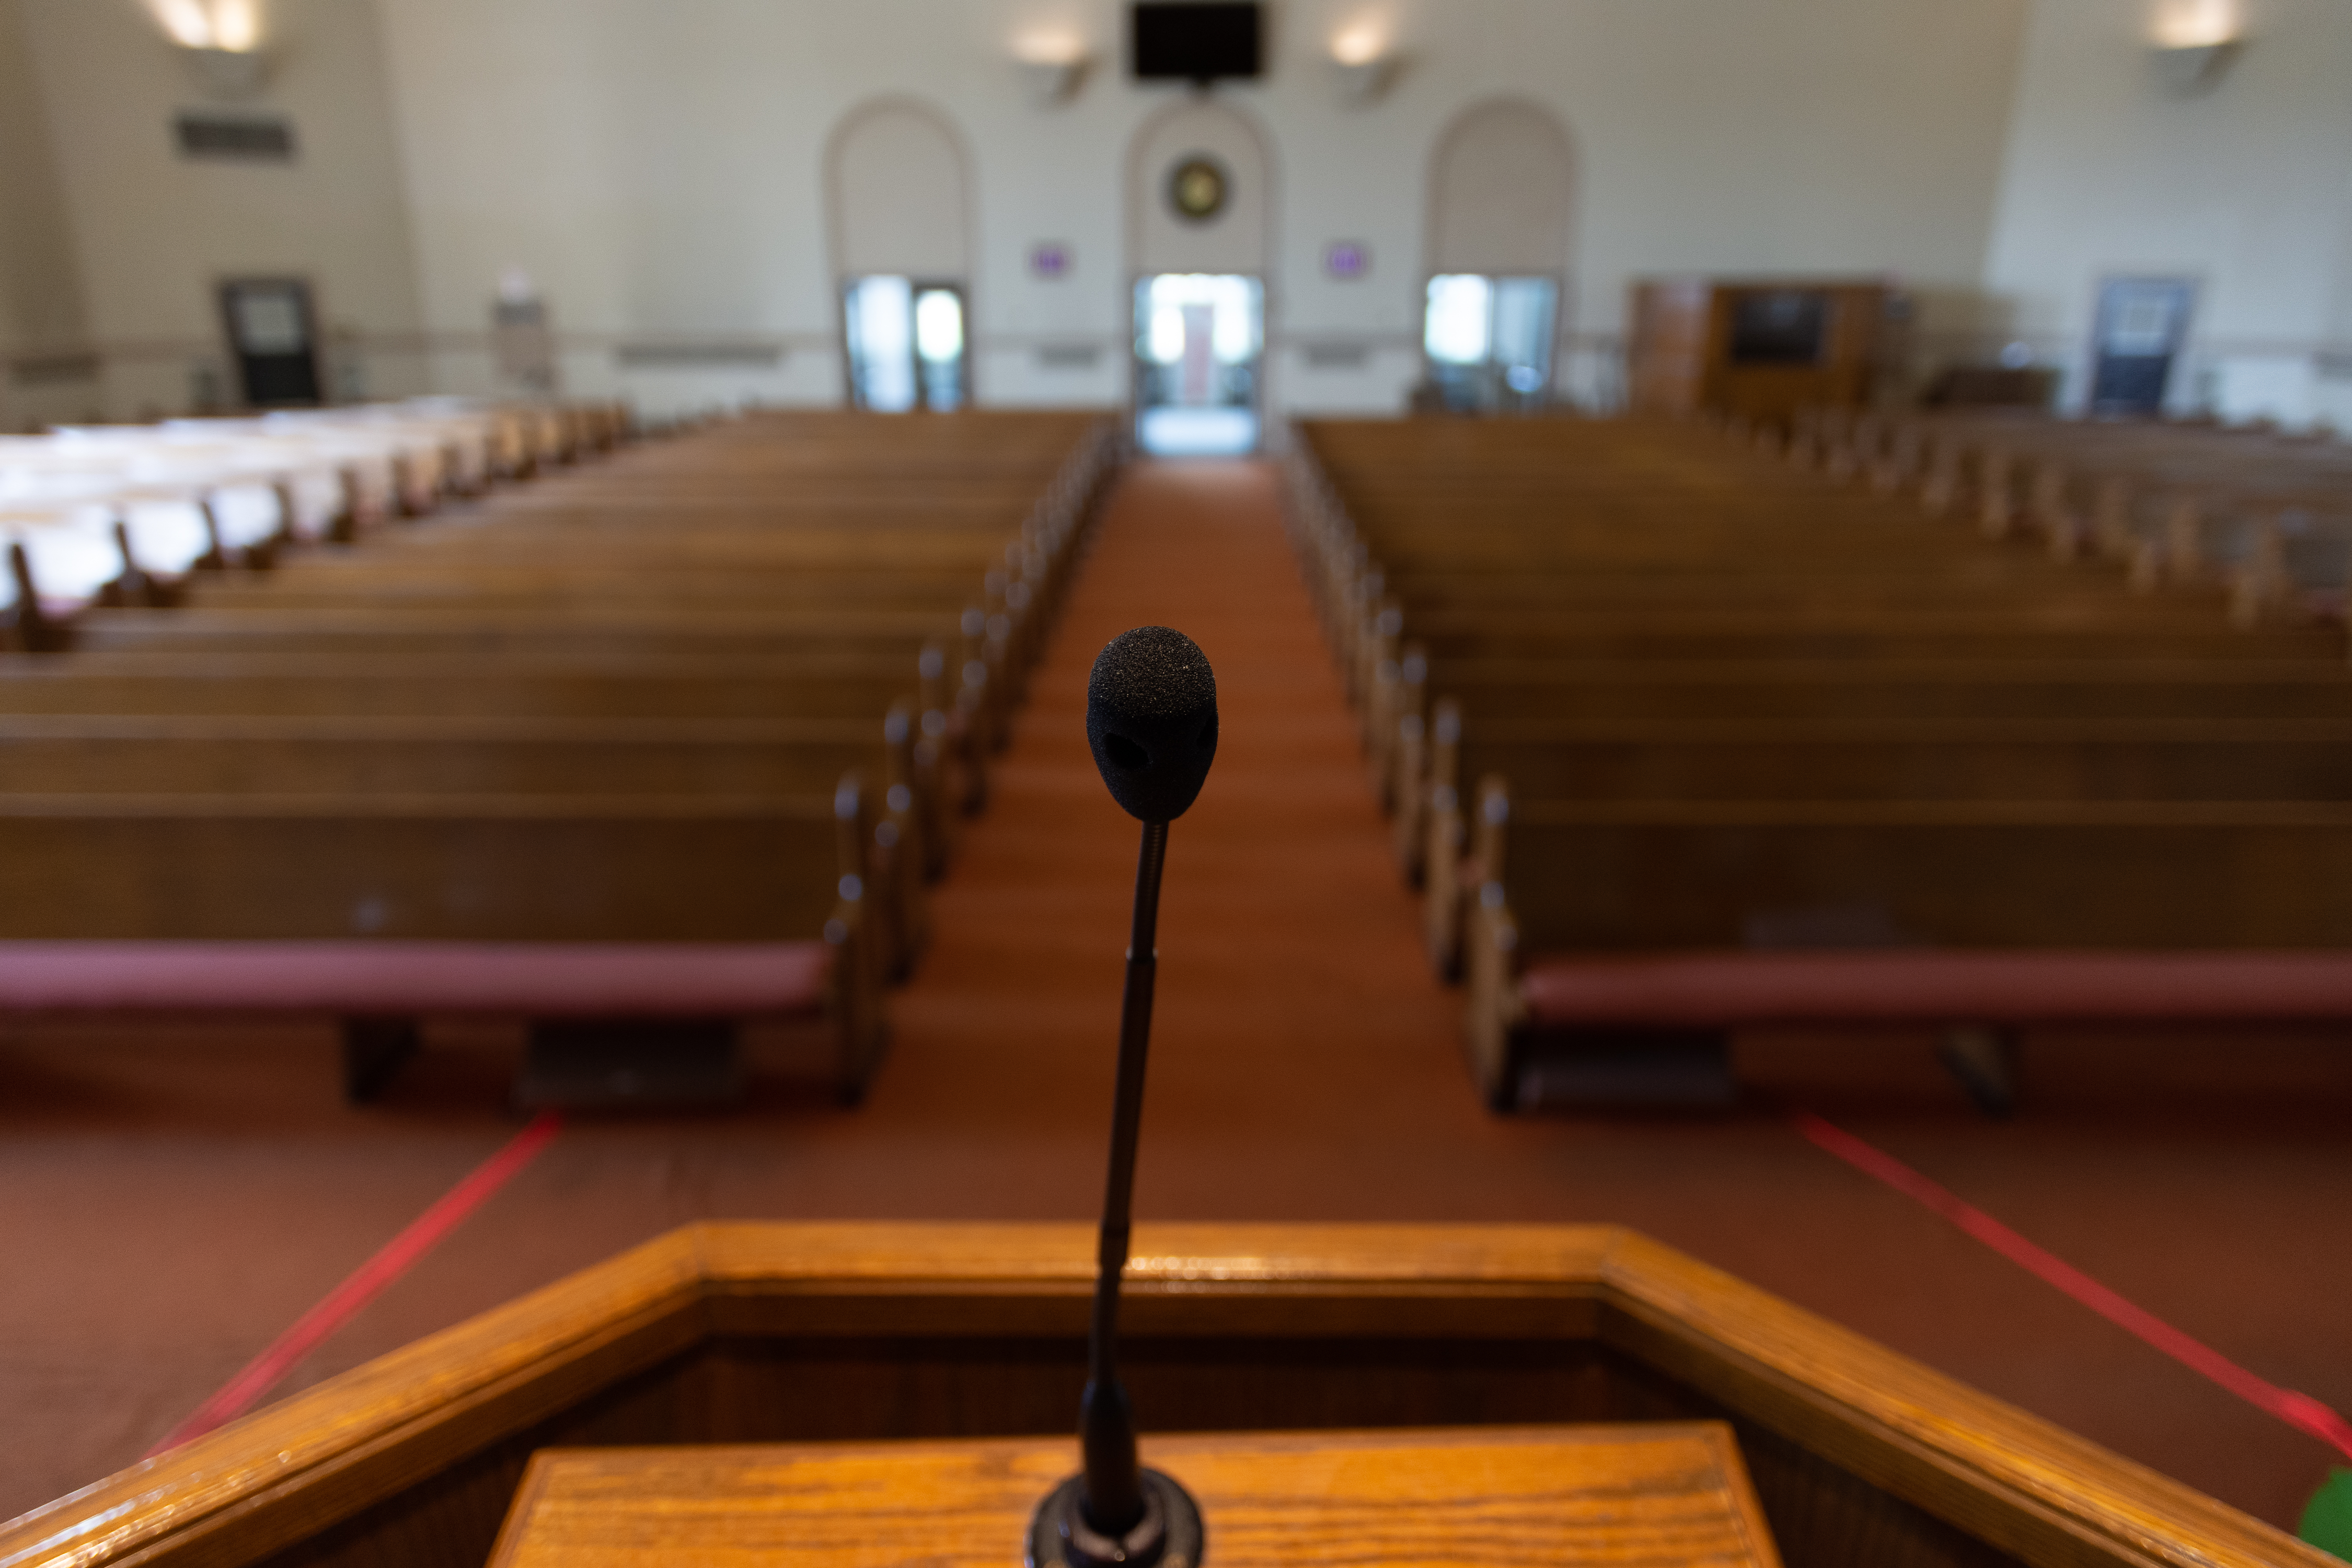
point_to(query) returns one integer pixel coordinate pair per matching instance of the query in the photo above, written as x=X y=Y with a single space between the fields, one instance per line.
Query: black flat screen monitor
x=1180 y=40
x=1779 y=326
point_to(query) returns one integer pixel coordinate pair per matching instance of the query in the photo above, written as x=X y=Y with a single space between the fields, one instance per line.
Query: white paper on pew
x=167 y=533
x=246 y=514
x=68 y=556
x=239 y=464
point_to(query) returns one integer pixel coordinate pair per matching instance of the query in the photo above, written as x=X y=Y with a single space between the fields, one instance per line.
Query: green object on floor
x=2328 y=1517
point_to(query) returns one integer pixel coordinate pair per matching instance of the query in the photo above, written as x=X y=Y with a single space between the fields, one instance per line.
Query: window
x=938 y=346
x=1197 y=343
x=906 y=344
x=1488 y=341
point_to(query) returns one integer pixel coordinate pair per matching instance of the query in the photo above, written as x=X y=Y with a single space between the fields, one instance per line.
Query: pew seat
x=379 y=990
x=537 y=979
x=1978 y=998
x=1652 y=1014
x=1728 y=990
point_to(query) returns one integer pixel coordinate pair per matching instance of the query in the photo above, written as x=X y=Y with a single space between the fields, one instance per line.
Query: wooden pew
x=611 y=686
x=1559 y=879
x=337 y=874
x=1480 y=694
x=1890 y=758
x=418 y=632
x=200 y=755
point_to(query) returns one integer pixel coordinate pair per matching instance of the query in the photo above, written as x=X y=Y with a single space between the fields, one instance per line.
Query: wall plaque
x=1197 y=188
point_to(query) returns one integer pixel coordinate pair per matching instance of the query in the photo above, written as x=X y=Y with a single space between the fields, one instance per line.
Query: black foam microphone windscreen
x=1152 y=720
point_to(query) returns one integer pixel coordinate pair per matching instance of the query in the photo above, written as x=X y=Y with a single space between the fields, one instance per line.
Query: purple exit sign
x=1347 y=258
x=1051 y=260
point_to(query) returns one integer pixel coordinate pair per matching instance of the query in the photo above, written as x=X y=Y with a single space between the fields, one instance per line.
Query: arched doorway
x=898 y=198
x=1500 y=187
x=1199 y=214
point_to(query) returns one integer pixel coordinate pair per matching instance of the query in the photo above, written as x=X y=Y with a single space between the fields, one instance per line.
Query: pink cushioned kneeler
x=412 y=978
x=1723 y=989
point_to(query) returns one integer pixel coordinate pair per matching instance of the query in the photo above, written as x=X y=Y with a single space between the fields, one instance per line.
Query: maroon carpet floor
x=170 y=1200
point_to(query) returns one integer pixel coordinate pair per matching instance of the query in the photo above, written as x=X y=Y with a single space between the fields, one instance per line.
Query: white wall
x=42 y=372
x=655 y=163
x=657 y=166
x=2246 y=187
x=151 y=233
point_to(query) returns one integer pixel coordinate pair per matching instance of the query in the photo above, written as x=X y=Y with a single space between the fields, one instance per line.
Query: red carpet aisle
x=1298 y=1035
x=170 y=1202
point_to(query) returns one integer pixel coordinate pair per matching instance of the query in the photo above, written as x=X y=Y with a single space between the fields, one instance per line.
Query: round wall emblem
x=1196 y=188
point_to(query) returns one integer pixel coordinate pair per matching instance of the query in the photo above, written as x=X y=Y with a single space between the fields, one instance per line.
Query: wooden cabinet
x=1761 y=349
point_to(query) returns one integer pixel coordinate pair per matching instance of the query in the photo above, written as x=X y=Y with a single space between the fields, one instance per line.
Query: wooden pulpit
x=770 y=1392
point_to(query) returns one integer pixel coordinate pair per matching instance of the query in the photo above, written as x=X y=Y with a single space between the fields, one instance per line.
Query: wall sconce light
x=2195 y=42
x=1052 y=65
x=1362 y=62
x=221 y=41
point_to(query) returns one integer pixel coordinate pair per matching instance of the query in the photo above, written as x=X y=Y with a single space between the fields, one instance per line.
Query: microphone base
x=1170 y=1536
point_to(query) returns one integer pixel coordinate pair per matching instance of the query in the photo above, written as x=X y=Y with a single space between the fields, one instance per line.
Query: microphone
x=1151 y=722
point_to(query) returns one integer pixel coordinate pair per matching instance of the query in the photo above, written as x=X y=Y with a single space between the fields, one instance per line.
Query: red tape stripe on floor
x=2297 y=1410
x=368 y=1281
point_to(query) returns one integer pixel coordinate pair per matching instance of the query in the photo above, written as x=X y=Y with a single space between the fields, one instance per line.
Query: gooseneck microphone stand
x=1113 y=1512
x=1114 y=1496
x=1151 y=720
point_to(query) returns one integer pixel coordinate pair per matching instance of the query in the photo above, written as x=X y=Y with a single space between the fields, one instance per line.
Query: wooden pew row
x=406 y=483
x=1351 y=603
x=210 y=754
x=651 y=759
x=109 y=885
x=2269 y=517
x=612 y=687
x=132 y=515
x=1907 y=758
x=1754 y=779
x=1847 y=759
x=1367 y=619
x=651 y=632
x=1808 y=534
x=581 y=867
x=1627 y=492
x=1017 y=580
x=1367 y=608
x=358 y=622
x=2130 y=888
x=476 y=587
x=367 y=781
x=610 y=682
x=1505 y=696
x=1403 y=492
x=1394 y=681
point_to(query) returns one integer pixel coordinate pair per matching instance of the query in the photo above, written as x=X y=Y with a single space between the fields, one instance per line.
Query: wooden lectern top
x=1657 y=1495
